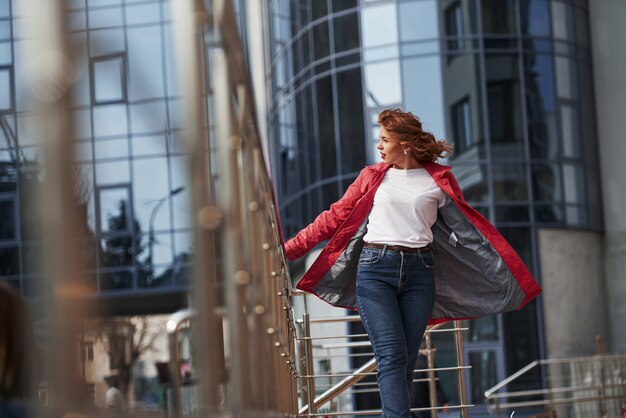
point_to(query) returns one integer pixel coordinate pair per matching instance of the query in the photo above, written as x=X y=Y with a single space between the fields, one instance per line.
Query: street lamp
x=151 y=239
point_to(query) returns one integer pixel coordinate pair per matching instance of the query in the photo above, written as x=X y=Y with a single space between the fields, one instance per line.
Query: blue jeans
x=395 y=294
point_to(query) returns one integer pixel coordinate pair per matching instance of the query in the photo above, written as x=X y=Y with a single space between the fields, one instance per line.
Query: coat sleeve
x=327 y=223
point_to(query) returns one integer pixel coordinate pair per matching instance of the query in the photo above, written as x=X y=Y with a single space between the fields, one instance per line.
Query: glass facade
x=132 y=171
x=508 y=82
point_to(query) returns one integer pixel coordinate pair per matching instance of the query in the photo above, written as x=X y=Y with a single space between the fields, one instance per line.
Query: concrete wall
x=608 y=36
x=573 y=291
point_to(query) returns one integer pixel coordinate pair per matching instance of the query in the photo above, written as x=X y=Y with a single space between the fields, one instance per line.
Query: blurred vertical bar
x=189 y=19
x=51 y=75
x=235 y=276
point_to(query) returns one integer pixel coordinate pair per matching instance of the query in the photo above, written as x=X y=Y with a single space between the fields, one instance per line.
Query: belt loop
x=382 y=253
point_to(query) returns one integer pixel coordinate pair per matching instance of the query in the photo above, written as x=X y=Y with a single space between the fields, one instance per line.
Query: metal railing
x=313 y=348
x=592 y=386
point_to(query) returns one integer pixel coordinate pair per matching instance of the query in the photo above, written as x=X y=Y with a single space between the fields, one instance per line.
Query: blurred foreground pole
x=51 y=74
x=189 y=18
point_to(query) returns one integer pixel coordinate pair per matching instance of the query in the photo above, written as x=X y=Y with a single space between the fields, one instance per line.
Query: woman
x=406 y=250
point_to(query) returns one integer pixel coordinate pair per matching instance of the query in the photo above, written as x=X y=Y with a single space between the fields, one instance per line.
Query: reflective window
x=422 y=92
x=426 y=12
x=576 y=215
x=145 y=63
x=546 y=180
x=570 y=128
x=484 y=329
x=504 y=106
x=549 y=213
x=566 y=78
x=573 y=183
x=541 y=106
x=5 y=8
x=339 y=5
x=383 y=83
x=562 y=20
x=472 y=179
x=535 y=17
x=148 y=117
x=351 y=123
x=113 y=172
x=325 y=111
x=5 y=29
x=116 y=278
x=319 y=8
x=462 y=79
x=151 y=193
x=454 y=27
x=346 y=32
x=499 y=17
x=462 y=125
x=378 y=25
x=321 y=40
x=6 y=89
x=509 y=182
x=108 y=79
x=109 y=120
x=143 y=13
x=512 y=213
x=105 y=17
x=115 y=209
x=106 y=42
x=5 y=53
x=111 y=148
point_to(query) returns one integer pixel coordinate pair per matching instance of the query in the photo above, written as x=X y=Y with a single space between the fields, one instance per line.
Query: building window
x=504 y=111
x=462 y=125
x=108 y=79
x=6 y=89
x=115 y=210
x=454 y=27
x=88 y=347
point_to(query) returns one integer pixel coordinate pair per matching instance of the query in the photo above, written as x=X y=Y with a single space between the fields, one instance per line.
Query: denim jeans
x=395 y=294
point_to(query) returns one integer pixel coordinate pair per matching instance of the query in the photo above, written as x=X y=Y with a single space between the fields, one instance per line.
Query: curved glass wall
x=508 y=82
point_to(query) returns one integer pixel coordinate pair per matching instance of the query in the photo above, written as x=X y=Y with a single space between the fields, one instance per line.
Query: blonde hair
x=407 y=128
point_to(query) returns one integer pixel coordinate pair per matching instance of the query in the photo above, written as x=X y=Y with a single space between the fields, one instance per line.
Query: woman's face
x=391 y=151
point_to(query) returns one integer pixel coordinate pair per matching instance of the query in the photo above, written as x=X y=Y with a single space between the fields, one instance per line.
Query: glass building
x=133 y=190
x=508 y=82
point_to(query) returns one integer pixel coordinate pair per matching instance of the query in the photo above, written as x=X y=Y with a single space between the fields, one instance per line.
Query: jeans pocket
x=428 y=260
x=369 y=256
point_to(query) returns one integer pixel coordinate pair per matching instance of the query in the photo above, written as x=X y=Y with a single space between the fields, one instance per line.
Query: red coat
x=477 y=272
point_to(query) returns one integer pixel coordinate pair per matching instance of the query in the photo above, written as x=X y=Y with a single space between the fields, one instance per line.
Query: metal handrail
x=352 y=379
x=609 y=388
x=174 y=324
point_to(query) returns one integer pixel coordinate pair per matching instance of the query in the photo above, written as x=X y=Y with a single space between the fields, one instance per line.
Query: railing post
x=310 y=370
x=205 y=215
x=432 y=384
x=458 y=342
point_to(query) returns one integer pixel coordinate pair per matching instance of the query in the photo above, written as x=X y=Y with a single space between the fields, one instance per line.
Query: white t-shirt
x=405 y=208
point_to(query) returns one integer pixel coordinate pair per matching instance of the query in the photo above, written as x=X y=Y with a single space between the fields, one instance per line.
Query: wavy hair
x=407 y=128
